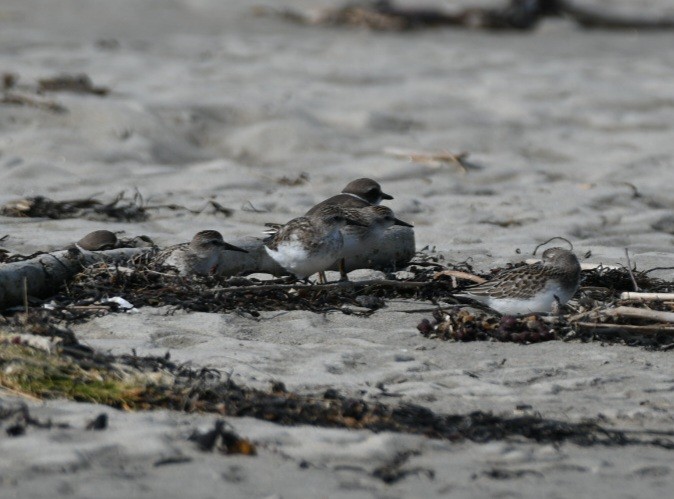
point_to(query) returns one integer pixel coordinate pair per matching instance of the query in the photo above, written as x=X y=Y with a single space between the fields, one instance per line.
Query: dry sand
x=210 y=102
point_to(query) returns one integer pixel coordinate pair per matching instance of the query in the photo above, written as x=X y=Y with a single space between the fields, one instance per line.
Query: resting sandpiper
x=200 y=256
x=533 y=288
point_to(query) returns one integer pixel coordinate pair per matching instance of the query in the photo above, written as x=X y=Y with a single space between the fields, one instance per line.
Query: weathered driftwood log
x=43 y=275
x=395 y=251
x=641 y=313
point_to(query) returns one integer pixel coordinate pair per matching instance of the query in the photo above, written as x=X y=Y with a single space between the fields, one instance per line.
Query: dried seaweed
x=187 y=389
x=515 y=15
x=120 y=208
x=80 y=84
x=149 y=284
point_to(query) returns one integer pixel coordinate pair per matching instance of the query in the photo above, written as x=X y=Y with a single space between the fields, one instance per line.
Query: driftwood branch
x=641 y=313
x=42 y=275
x=624 y=312
x=625 y=328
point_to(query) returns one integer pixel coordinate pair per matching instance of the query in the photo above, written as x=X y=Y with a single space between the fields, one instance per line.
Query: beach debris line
x=132 y=382
x=514 y=15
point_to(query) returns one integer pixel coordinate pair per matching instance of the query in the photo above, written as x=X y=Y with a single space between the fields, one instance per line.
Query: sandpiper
x=357 y=194
x=362 y=240
x=98 y=240
x=310 y=244
x=200 y=256
x=533 y=288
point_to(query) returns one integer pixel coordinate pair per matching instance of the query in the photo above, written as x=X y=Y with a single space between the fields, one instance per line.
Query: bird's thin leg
x=343 y=277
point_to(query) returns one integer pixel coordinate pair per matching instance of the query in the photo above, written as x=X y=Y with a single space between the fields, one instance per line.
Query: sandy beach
x=572 y=132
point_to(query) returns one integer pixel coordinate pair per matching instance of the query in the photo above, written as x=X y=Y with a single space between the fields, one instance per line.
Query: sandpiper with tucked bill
x=535 y=288
x=198 y=257
x=363 y=240
x=310 y=244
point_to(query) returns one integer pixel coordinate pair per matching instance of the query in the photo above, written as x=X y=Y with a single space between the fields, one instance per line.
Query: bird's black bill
x=386 y=196
x=400 y=222
x=231 y=247
x=350 y=221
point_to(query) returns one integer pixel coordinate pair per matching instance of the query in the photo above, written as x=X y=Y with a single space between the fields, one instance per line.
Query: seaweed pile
x=147 y=284
x=120 y=209
x=145 y=383
x=514 y=15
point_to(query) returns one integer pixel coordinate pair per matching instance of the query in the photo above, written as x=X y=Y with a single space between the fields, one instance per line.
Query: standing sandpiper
x=533 y=288
x=357 y=194
x=310 y=244
x=200 y=256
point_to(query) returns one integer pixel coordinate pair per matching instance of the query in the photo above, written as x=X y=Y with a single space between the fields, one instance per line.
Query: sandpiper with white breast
x=532 y=288
x=310 y=244
x=198 y=257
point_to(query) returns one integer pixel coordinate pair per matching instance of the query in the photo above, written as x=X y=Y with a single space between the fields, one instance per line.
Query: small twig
x=252 y=208
x=322 y=287
x=434 y=158
x=460 y=275
x=630 y=328
x=631 y=295
x=629 y=270
x=552 y=239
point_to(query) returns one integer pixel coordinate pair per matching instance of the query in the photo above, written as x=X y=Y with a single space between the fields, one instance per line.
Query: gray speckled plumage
x=531 y=288
x=310 y=244
x=198 y=257
x=361 y=239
